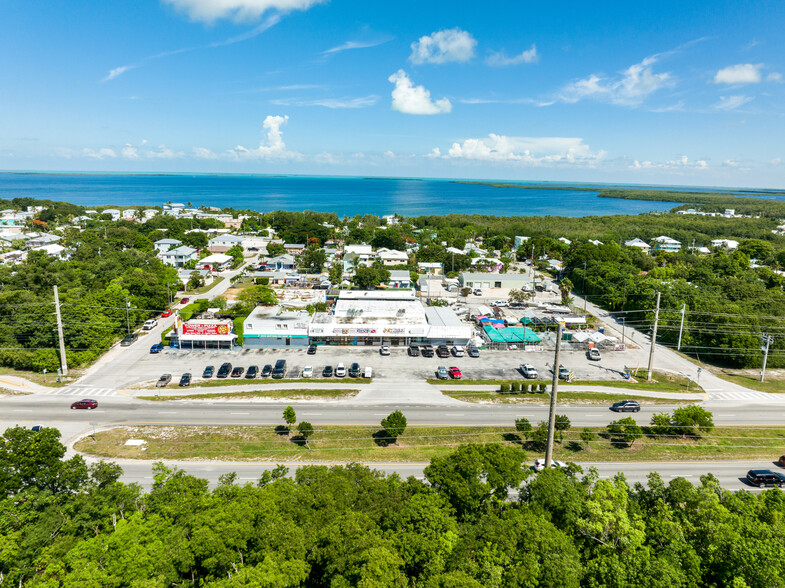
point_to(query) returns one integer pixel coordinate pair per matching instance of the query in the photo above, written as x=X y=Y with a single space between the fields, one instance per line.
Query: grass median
x=570 y=398
x=771 y=385
x=293 y=393
x=417 y=444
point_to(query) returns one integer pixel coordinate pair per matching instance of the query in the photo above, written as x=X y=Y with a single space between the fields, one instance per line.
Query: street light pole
x=552 y=412
x=128 y=315
x=584 y=287
x=653 y=337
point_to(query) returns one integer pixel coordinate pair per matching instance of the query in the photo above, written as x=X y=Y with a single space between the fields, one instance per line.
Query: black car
x=626 y=406
x=252 y=372
x=414 y=351
x=327 y=372
x=267 y=371
x=129 y=339
x=208 y=372
x=224 y=370
x=354 y=370
x=237 y=372
x=279 y=371
x=443 y=351
x=765 y=478
x=427 y=351
x=185 y=379
x=473 y=352
x=312 y=350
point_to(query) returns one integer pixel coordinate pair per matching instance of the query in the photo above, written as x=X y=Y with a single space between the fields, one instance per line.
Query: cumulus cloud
x=203 y=153
x=732 y=102
x=104 y=153
x=443 y=47
x=410 y=99
x=531 y=151
x=500 y=58
x=275 y=148
x=682 y=163
x=630 y=88
x=435 y=153
x=238 y=10
x=742 y=73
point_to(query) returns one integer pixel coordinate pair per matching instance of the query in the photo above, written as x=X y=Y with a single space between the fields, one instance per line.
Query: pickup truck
x=163 y=380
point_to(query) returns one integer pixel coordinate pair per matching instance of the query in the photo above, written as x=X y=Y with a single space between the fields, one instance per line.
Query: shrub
x=515 y=388
x=505 y=388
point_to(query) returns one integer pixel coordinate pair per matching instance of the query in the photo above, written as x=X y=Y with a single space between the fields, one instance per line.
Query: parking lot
x=398 y=366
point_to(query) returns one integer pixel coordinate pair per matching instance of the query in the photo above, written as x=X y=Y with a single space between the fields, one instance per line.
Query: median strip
x=277 y=394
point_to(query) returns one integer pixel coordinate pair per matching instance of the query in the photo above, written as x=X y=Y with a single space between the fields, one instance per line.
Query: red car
x=455 y=373
x=185 y=301
x=86 y=404
x=166 y=313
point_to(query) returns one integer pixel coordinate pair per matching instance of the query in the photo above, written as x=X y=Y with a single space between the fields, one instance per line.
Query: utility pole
x=768 y=340
x=552 y=412
x=623 y=319
x=681 y=326
x=63 y=361
x=128 y=316
x=584 y=288
x=534 y=282
x=654 y=336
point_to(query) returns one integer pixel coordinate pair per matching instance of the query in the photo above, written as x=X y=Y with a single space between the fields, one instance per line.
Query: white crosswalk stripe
x=750 y=396
x=84 y=391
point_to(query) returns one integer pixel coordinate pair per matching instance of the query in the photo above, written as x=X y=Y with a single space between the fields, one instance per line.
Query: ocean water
x=346 y=196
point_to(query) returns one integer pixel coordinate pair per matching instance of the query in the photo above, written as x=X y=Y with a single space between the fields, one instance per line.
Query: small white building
x=434 y=268
x=276 y=328
x=392 y=257
x=53 y=250
x=113 y=212
x=639 y=243
x=166 y=244
x=400 y=279
x=223 y=243
x=663 y=243
x=179 y=256
x=216 y=262
x=728 y=244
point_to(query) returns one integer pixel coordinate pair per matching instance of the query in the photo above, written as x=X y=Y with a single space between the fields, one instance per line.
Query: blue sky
x=687 y=93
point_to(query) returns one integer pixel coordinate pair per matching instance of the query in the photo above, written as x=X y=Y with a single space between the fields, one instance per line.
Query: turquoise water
x=346 y=196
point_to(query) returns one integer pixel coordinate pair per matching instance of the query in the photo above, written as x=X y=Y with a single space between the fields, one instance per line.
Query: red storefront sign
x=206 y=329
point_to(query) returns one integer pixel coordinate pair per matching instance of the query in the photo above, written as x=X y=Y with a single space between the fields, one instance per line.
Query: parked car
x=458 y=351
x=307 y=372
x=765 y=478
x=279 y=369
x=185 y=301
x=208 y=372
x=252 y=372
x=500 y=303
x=86 y=403
x=414 y=351
x=781 y=461
x=473 y=351
x=354 y=370
x=384 y=350
x=129 y=339
x=529 y=372
x=539 y=464
x=340 y=370
x=149 y=324
x=312 y=350
x=327 y=372
x=166 y=314
x=477 y=292
x=237 y=371
x=455 y=373
x=442 y=373
x=163 y=380
x=594 y=354
x=443 y=351
x=427 y=350
x=267 y=371
x=368 y=373
x=564 y=373
x=36 y=428
x=157 y=348
x=185 y=380
x=224 y=370
x=626 y=406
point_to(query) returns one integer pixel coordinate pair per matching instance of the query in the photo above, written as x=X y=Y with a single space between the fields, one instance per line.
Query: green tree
x=305 y=429
x=313 y=258
x=565 y=287
x=692 y=420
x=561 y=424
x=275 y=248
x=289 y=416
x=258 y=295
x=394 y=424
x=539 y=436
x=523 y=426
x=587 y=436
x=625 y=431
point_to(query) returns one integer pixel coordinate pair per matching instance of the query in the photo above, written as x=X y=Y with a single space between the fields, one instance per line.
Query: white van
x=457 y=351
x=368 y=373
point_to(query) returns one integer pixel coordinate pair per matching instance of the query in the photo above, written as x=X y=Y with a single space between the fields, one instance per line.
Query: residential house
x=392 y=257
x=130 y=214
x=53 y=250
x=519 y=241
x=663 y=243
x=149 y=213
x=223 y=243
x=179 y=256
x=639 y=243
x=294 y=248
x=113 y=212
x=216 y=262
x=41 y=240
x=565 y=240
x=489 y=264
x=486 y=280
x=595 y=242
x=186 y=275
x=432 y=268
x=390 y=219
x=276 y=278
x=400 y=279
x=166 y=244
x=728 y=244
x=173 y=208
x=281 y=262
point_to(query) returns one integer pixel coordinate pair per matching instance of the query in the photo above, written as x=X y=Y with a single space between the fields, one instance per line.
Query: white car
x=539 y=465
x=501 y=303
x=308 y=371
x=384 y=350
x=340 y=371
x=149 y=324
x=528 y=371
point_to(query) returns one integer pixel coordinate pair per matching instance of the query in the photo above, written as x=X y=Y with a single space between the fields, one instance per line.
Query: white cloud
x=104 y=153
x=361 y=102
x=682 y=163
x=732 y=102
x=117 y=72
x=443 y=46
x=531 y=151
x=500 y=59
x=203 y=153
x=349 y=45
x=389 y=154
x=238 y=10
x=775 y=161
x=730 y=163
x=743 y=73
x=411 y=99
x=129 y=152
x=163 y=152
x=435 y=153
x=631 y=88
x=774 y=77
x=275 y=147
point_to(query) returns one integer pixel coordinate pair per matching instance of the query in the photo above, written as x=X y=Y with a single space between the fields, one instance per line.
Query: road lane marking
x=22 y=410
x=312 y=414
x=239 y=413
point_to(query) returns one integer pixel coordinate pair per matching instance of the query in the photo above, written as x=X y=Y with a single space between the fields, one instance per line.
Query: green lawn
x=772 y=385
x=294 y=393
x=49 y=379
x=417 y=444
x=479 y=396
